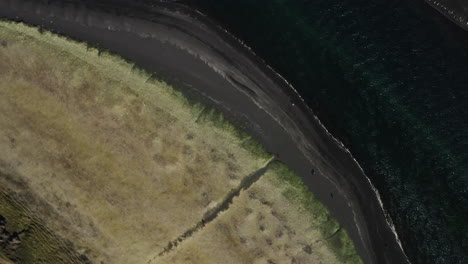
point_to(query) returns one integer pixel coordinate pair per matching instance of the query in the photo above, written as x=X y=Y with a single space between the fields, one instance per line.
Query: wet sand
x=207 y=64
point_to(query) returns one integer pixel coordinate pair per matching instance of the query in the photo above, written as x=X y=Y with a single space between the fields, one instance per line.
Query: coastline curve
x=274 y=112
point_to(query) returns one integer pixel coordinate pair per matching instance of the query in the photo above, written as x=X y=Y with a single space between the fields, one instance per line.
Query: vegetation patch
x=119 y=157
x=296 y=192
x=123 y=164
x=23 y=239
x=276 y=220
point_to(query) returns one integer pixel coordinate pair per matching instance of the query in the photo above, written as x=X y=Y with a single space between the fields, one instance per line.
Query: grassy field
x=118 y=164
x=274 y=221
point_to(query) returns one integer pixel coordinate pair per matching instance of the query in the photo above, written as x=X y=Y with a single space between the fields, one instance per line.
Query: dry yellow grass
x=120 y=160
x=263 y=225
x=120 y=166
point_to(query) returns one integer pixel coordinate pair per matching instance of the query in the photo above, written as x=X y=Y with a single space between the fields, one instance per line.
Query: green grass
x=296 y=191
x=37 y=244
x=211 y=117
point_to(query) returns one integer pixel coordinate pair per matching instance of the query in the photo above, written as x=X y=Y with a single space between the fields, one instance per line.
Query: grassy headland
x=123 y=163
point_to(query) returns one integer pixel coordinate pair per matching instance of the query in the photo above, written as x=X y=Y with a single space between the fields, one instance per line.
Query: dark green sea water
x=389 y=79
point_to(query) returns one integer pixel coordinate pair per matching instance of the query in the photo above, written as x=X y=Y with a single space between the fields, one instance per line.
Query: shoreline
x=458 y=18
x=267 y=112
x=293 y=93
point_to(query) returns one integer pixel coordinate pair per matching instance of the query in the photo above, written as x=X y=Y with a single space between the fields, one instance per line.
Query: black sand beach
x=455 y=10
x=208 y=65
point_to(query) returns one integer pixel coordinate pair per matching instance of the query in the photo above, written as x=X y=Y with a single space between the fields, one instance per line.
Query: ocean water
x=390 y=80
